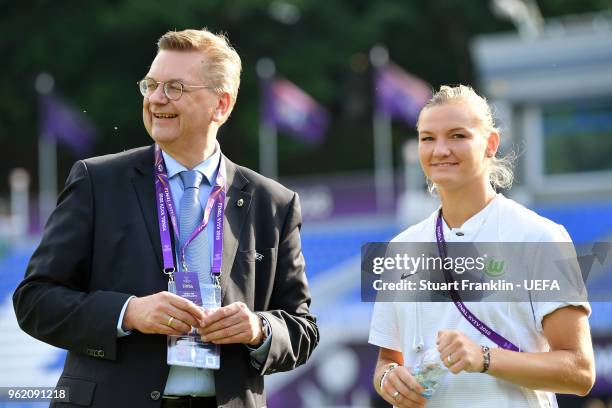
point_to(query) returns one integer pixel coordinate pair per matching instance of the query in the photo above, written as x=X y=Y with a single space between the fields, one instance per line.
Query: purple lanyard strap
x=491 y=334
x=165 y=210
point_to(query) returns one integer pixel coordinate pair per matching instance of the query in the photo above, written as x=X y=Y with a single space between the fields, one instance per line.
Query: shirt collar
x=208 y=167
x=472 y=226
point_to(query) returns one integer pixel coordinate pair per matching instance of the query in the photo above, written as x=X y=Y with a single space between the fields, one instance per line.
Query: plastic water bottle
x=429 y=371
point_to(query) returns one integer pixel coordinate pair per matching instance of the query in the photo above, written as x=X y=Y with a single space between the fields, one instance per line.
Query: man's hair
x=500 y=168
x=222 y=64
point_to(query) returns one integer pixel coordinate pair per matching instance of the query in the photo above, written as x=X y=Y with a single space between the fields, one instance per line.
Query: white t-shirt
x=401 y=326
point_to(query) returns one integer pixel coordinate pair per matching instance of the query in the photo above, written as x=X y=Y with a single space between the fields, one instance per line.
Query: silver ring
x=395 y=394
x=170 y=320
x=449 y=359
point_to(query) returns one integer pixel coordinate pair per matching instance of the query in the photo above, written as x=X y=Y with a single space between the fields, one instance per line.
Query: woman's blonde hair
x=500 y=168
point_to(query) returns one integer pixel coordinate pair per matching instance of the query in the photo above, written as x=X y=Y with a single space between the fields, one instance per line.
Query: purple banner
x=400 y=94
x=60 y=121
x=338 y=196
x=292 y=110
x=343 y=379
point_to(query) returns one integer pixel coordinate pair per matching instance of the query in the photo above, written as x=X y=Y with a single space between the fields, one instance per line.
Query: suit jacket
x=101 y=245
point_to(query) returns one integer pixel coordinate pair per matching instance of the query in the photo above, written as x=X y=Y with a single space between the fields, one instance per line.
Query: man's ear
x=223 y=108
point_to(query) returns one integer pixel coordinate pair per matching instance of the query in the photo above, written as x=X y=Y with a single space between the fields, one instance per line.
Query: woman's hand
x=459 y=353
x=402 y=390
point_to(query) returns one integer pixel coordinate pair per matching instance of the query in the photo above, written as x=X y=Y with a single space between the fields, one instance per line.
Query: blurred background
x=329 y=95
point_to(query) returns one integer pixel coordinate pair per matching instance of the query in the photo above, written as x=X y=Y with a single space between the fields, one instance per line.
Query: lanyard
x=165 y=210
x=491 y=334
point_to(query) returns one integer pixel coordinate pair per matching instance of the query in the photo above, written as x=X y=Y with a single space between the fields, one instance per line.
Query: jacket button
x=155 y=395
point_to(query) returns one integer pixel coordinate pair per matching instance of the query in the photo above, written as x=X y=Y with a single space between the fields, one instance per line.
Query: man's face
x=183 y=122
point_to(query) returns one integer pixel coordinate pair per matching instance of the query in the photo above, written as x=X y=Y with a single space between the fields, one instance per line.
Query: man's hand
x=233 y=323
x=458 y=352
x=162 y=313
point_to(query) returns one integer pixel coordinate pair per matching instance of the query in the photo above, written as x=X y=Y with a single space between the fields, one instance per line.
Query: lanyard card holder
x=189 y=350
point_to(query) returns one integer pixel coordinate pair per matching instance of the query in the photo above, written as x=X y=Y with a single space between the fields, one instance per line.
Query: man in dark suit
x=96 y=284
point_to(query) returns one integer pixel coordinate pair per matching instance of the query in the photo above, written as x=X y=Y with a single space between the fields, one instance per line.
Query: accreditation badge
x=188 y=286
x=189 y=350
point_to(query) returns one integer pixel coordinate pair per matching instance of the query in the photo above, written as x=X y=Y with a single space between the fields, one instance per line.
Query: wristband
x=486 y=358
x=389 y=368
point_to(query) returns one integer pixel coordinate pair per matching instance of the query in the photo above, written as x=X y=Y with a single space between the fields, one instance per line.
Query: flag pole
x=383 y=146
x=268 y=140
x=19 y=180
x=47 y=158
x=47 y=177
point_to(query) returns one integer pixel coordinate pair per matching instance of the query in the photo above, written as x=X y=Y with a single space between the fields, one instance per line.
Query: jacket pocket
x=80 y=391
x=252 y=278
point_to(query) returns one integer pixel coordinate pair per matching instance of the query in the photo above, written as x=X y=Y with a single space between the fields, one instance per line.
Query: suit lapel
x=234 y=218
x=235 y=213
x=144 y=184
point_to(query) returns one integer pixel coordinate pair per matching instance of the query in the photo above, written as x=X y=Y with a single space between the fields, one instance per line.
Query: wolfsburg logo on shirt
x=494 y=268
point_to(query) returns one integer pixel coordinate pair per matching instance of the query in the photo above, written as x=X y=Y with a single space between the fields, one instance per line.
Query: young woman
x=458 y=142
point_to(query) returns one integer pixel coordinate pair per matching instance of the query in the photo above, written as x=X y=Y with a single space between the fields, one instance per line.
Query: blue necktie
x=197 y=254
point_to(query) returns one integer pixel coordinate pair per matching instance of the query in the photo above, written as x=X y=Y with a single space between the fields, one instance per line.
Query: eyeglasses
x=172 y=89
